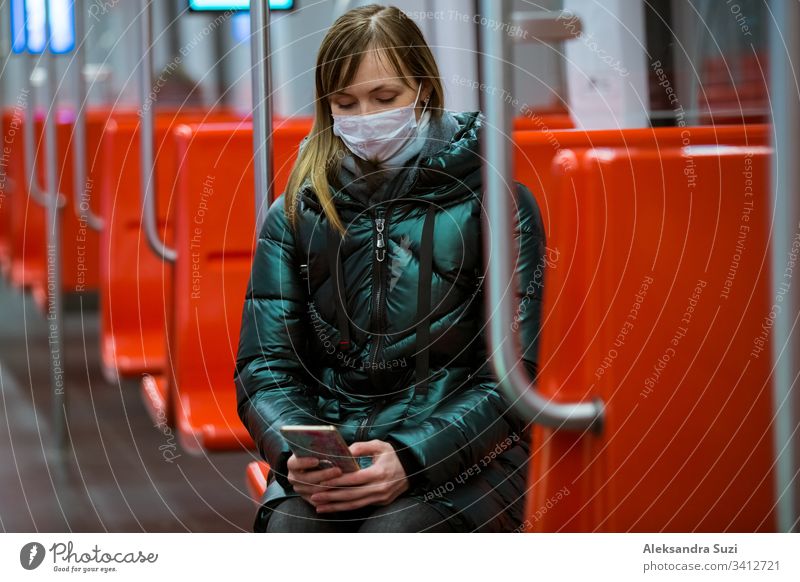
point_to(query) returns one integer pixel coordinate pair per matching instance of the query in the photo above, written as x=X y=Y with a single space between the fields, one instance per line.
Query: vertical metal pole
x=54 y=318
x=81 y=204
x=261 y=77
x=497 y=174
x=784 y=70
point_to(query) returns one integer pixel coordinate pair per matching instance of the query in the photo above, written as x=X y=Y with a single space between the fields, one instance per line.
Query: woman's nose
x=369 y=108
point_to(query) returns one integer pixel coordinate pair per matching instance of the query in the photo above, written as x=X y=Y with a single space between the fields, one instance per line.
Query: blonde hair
x=354 y=34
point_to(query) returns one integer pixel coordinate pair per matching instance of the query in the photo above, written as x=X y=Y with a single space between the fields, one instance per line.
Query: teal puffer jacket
x=392 y=346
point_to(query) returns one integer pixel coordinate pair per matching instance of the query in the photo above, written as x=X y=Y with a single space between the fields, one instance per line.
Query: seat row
x=638 y=221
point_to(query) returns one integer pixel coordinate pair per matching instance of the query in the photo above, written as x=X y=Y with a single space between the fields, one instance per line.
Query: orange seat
x=540 y=159
x=134 y=283
x=256 y=479
x=543 y=121
x=79 y=243
x=27 y=236
x=656 y=305
x=12 y=180
x=214 y=240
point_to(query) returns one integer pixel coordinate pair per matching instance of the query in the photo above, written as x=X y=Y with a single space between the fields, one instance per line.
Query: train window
x=27 y=26
x=221 y=5
x=707 y=62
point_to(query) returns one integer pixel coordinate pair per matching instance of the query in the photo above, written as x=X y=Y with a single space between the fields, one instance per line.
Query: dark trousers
x=403 y=515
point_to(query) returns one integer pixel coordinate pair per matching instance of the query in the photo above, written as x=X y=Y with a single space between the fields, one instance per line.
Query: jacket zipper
x=380 y=256
x=366 y=424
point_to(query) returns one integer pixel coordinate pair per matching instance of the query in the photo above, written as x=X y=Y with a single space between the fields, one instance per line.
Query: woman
x=364 y=308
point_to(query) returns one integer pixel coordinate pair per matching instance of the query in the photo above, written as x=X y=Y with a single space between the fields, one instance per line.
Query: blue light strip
x=27 y=26
x=18 y=26
x=201 y=5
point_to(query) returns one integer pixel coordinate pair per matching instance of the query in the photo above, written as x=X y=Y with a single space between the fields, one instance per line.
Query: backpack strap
x=337 y=282
x=423 y=331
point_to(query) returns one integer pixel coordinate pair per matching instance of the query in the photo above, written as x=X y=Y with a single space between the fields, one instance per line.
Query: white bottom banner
x=388 y=557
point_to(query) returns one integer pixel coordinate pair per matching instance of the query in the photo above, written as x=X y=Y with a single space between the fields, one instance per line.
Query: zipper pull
x=380 y=250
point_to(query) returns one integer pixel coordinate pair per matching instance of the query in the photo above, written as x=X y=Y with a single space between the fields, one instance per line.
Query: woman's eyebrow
x=378 y=88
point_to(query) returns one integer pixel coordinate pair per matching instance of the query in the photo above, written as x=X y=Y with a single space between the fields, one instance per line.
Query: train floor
x=122 y=472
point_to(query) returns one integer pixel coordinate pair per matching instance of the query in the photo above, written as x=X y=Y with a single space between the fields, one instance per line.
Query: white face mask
x=380 y=136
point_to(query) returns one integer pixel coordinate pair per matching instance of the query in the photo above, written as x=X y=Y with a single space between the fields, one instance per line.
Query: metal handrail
x=147 y=164
x=79 y=130
x=35 y=189
x=261 y=77
x=505 y=356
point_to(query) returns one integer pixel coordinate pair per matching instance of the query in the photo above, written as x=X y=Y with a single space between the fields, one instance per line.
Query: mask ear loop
x=428 y=98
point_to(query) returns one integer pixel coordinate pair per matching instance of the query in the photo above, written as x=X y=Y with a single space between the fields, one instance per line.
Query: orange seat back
x=534 y=151
x=79 y=243
x=215 y=238
x=662 y=279
x=12 y=181
x=27 y=240
x=134 y=283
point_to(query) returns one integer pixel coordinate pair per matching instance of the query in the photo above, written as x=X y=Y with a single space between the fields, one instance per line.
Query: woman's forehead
x=375 y=73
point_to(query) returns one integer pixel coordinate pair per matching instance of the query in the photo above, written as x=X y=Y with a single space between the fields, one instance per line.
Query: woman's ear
x=428 y=92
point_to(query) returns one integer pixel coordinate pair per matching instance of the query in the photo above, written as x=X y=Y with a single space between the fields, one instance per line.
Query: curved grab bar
x=147 y=164
x=83 y=212
x=262 y=106
x=35 y=189
x=505 y=356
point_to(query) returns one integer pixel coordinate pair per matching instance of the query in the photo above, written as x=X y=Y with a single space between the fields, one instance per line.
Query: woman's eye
x=381 y=101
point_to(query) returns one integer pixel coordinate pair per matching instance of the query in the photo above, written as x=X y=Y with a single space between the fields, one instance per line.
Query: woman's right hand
x=305 y=479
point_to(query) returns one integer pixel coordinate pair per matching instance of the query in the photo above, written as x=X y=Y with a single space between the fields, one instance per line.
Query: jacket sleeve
x=271 y=380
x=468 y=426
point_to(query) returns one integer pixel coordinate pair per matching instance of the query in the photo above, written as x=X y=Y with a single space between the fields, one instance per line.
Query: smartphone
x=323 y=442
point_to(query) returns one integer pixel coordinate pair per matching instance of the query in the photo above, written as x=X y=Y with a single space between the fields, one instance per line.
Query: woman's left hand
x=379 y=484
